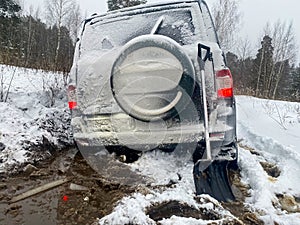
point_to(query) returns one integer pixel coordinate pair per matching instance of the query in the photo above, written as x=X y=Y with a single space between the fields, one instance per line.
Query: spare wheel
x=152 y=78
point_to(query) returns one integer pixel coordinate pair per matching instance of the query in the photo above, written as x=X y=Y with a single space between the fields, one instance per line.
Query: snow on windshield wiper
x=157 y=24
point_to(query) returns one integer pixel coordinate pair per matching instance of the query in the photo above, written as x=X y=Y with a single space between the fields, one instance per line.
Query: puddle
x=59 y=205
x=37 y=210
x=168 y=209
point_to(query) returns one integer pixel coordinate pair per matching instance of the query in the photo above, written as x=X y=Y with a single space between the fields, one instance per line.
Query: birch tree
x=272 y=72
x=285 y=50
x=227 y=18
x=58 y=13
x=74 y=22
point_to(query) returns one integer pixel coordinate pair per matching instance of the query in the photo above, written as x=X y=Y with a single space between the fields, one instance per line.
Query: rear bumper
x=123 y=130
x=140 y=140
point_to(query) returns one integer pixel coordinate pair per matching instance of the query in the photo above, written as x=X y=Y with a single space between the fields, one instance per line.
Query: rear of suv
x=154 y=77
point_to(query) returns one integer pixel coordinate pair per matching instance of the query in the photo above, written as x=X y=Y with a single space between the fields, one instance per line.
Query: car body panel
x=98 y=119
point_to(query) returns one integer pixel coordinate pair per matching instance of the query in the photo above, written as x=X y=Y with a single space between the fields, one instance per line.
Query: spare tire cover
x=152 y=78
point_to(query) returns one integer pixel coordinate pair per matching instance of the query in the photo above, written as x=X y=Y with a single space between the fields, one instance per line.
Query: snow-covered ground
x=271 y=130
x=32 y=124
x=34 y=117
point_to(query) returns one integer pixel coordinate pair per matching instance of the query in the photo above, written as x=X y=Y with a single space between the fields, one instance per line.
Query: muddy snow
x=35 y=150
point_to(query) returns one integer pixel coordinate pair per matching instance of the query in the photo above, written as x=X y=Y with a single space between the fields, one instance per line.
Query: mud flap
x=214 y=181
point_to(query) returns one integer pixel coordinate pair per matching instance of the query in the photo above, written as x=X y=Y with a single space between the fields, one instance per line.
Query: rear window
x=183 y=23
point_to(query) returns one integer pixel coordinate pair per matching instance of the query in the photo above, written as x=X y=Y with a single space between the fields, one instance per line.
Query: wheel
x=234 y=163
x=124 y=154
x=153 y=78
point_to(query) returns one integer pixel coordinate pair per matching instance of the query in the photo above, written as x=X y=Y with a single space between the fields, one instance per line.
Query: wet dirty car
x=160 y=83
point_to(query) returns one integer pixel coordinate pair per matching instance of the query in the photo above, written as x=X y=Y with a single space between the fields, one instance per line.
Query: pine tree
x=233 y=63
x=241 y=72
x=8 y=8
x=119 y=4
x=9 y=41
x=295 y=84
x=284 y=88
x=263 y=67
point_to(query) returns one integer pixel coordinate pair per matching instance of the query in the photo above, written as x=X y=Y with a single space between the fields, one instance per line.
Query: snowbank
x=34 y=117
x=271 y=130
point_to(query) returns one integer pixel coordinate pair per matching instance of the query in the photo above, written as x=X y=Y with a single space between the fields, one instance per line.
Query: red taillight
x=224 y=83
x=72 y=96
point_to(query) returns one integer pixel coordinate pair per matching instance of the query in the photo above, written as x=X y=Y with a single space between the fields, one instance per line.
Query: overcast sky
x=256 y=13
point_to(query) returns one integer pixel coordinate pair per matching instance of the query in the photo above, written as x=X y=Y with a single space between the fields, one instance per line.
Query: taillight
x=72 y=96
x=224 y=83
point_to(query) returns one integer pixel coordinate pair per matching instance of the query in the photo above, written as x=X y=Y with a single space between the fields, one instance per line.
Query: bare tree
x=285 y=51
x=58 y=13
x=284 y=48
x=74 y=22
x=284 y=41
x=227 y=18
x=244 y=49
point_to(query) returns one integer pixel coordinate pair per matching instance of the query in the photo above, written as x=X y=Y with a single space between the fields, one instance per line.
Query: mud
x=61 y=205
x=271 y=169
x=86 y=207
x=87 y=197
x=237 y=208
x=289 y=203
x=168 y=209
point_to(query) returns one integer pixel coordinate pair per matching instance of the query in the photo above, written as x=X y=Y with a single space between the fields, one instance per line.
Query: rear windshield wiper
x=157 y=24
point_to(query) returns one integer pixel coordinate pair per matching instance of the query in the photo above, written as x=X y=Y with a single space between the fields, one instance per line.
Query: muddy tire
x=124 y=154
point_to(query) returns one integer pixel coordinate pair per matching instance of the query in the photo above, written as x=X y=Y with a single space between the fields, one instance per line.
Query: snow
x=131 y=210
x=34 y=119
x=277 y=142
x=271 y=128
x=32 y=123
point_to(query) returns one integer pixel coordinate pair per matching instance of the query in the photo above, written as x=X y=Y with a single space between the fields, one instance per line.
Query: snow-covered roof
x=142 y=6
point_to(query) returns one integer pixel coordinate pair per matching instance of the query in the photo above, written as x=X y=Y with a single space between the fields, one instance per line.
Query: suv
x=154 y=77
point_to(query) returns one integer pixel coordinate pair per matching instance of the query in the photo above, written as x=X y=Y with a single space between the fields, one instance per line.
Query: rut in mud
x=87 y=197
x=60 y=205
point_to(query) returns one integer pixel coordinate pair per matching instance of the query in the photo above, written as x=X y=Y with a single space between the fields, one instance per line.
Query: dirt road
x=86 y=197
